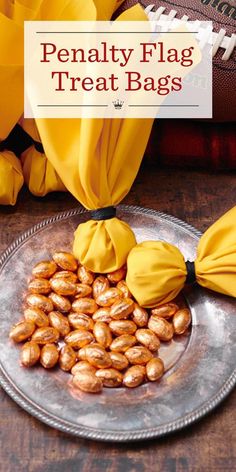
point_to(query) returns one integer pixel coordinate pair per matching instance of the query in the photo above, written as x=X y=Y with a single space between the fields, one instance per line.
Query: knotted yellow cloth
x=12 y=15
x=85 y=137
x=157 y=271
x=39 y=174
x=97 y=159
x=11 y=178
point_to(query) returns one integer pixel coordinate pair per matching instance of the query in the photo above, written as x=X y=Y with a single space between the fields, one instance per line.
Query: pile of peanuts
x=92 y=327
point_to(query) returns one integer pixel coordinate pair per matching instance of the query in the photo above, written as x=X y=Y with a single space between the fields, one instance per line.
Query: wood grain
x=27 y=445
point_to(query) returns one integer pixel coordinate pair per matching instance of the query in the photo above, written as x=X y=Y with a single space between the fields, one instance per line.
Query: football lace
x=206 y=35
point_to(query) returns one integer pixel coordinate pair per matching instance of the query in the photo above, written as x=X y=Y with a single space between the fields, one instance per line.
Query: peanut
x=37 y=316
x=60 y=322
x=109 y=296
x=45 y=335
x=65 y=260
x=49 y=356
x=102 y=314
x=117 y=275
x=67 y=358
x=44 y=269
x=161 y=327
x=60 y=303
x=30 y=354
x=63 y=287
x=65 y=275
x=138 y=355
x=22 y=331
x=79 y=338
x=35 y=300
x=148 y=339
x=110 y=377
x=97 y=356
x=120 y=327
x=87 y=382
x=102 y=334
x=100 y=284
x=82 y=366
x=181 y=321
x=85 y=305
x=122 y=308
x=140 y=316
x=85 y=276
x=122 y=343
x=134 y=376
x=119 y=361
x=39 y=285
x=155 y=369
x=122 y=285
x=83 y=290
x=165 y=311
x=80 y=320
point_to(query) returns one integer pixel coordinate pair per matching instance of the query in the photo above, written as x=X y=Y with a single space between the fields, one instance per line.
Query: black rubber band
x=191 y=275
x=39 y=147
x=103 y=213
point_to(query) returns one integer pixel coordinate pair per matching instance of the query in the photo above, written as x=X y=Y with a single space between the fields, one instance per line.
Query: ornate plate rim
x=96 y=434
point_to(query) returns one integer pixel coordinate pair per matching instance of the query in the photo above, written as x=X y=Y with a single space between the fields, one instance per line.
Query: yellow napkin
x=12 y=15
x=11 y=178
x=11 y=74
x=97 y=159
x=38 y=171
x=39 y=174
x=157 y=270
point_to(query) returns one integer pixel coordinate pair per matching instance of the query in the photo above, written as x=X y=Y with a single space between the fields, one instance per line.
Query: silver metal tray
x=200 y=367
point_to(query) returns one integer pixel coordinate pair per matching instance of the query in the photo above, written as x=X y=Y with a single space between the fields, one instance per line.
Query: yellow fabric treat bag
x=11 y=178
x=38 y=171
x=12 y=15
x=157 y=272
x=96 y=159
x=11 y=74
x=11 y=79
x=39 y=174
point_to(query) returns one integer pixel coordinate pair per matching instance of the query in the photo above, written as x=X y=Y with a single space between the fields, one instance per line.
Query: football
x=223 y=16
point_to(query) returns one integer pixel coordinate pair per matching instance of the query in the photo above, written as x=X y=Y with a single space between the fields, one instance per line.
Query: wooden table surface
x=30 y=446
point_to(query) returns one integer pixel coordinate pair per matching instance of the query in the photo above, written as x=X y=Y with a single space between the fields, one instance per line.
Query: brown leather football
x=223 y=16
